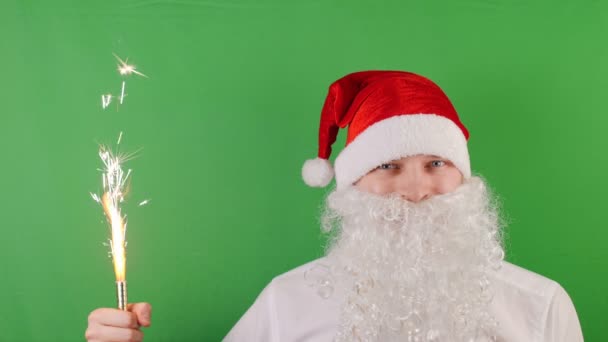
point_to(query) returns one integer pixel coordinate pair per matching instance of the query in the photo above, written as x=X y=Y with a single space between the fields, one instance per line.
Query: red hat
x=390 y=115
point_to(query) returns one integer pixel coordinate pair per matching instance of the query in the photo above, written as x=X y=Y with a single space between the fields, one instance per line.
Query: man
x=415 y=251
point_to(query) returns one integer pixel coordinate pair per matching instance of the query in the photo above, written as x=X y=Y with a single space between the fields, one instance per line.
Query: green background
x=229 y=113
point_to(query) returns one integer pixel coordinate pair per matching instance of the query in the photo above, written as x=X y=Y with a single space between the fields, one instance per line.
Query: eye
x=387 y=166
x=437 y=163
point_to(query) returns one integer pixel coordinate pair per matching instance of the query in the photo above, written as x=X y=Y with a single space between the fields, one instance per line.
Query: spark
x=119 y=138
x=105 y=100
x=127 y=69
x=95 y=197
x=144 y=202
x=122 y=92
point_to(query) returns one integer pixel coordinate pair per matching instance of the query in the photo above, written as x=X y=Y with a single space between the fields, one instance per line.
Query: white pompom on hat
x=390 y=115
x=317 y=172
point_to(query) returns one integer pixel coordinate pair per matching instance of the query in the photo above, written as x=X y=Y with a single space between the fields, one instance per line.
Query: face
x=415 y=178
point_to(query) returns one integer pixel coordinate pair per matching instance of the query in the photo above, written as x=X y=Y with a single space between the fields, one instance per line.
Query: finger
x=106 y=333
x=143 y=311
x=113 y=318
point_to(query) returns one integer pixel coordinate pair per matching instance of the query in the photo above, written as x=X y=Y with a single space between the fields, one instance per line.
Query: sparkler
x=115 y=182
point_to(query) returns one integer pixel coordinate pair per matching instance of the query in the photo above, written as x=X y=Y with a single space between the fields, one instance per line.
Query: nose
x=414 y=188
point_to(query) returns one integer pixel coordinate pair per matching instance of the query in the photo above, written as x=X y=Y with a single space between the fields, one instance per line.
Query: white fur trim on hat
x=317 y=172
x=398 y=137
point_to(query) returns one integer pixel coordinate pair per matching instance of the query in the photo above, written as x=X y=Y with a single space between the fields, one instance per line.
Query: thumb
x=143 y=312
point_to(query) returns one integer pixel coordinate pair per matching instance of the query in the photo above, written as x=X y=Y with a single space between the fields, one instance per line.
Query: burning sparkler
x=115 y=182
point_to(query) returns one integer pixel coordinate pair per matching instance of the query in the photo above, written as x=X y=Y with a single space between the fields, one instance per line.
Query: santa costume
x=400 y=271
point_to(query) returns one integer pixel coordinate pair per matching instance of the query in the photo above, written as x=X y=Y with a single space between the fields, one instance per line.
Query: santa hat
x=390 y=115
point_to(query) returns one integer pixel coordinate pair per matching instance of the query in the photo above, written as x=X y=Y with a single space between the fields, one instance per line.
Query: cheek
x=382 y=188
x=375 y=184
x=449 y=181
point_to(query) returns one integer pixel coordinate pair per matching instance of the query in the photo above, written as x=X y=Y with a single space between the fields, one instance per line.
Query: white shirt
x=528 y=307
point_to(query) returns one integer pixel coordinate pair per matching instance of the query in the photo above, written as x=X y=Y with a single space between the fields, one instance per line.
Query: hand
x=118 y=326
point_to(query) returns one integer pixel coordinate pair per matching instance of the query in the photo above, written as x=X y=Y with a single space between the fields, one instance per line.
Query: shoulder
x=515 y=286
x=306 y=290
x=295 y=274
x=277 y=308
x=301 y=280
x=304 y=303
x=530 y=304
x=525 y=281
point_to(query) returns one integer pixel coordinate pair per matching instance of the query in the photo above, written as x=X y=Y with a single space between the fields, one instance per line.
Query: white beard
x=414 y=271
